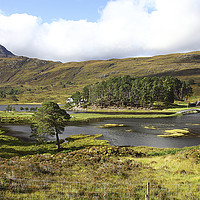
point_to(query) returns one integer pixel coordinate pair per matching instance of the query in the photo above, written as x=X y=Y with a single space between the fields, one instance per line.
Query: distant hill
x=4 y=53
x=39 y=80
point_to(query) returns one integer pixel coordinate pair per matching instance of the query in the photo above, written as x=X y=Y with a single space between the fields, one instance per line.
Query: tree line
x=12 y=108
x=134 y=91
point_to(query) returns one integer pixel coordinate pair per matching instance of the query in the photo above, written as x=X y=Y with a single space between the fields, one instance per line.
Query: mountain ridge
x=42 y=80
x=4 y=53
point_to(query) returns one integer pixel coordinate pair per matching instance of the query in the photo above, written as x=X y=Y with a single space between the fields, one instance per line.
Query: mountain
x=34 y=80
x=4 y=53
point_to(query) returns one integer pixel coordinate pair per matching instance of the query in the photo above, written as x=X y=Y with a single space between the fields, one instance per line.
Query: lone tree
x=49 y=119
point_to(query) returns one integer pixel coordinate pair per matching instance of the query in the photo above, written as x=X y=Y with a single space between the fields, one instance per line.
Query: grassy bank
x=26 y=117
x=11 y=146
x=88 y=163
x=14 y=117
x=86 y=117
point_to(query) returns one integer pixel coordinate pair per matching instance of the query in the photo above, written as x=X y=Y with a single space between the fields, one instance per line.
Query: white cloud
x=126 y=28
x=175 y=26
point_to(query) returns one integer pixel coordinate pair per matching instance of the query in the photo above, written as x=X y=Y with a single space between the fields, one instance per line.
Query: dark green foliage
x=51 y=120
x=10 y=108
x=21 y=108
x=33 y=109
x=69 y=83
x=191 y=81
x=135 y=92
x=2 y=94
x=11 y=91
x=76 y=97
x=14 y=98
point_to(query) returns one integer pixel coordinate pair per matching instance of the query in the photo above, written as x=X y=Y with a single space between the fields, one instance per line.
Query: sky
x=78 y=30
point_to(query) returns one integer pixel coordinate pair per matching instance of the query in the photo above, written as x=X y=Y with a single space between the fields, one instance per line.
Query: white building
x=70 y=100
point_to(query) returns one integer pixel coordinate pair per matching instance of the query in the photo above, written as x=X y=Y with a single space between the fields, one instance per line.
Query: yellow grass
x=150 y=127
x=112 y=125
x=175 y=133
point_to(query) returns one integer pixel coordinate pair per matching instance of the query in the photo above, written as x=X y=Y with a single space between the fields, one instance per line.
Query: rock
x=4 y=53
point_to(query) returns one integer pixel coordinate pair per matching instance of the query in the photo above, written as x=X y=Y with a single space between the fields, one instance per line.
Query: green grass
x=87 y=117
x=11 y=146
x=26 y=117
x=91 y=162
x=14 y=117
x=86 y=161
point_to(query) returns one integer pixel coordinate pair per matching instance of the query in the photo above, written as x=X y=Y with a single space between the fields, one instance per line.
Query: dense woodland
x=134 y=92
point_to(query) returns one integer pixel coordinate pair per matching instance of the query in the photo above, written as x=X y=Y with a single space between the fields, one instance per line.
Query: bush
x=21 y=108
x=14 y=98
x=191 y=82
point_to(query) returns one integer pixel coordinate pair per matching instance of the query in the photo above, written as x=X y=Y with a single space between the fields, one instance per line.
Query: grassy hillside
x=38 y=80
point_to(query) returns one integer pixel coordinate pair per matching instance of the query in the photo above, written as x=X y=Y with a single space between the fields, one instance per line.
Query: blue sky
x=50 y=10
x=78 y=30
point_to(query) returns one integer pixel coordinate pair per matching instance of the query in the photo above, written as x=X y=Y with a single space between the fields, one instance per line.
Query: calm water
x=134 y=133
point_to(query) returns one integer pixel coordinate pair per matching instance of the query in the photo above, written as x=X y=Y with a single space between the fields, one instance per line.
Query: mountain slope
x=42 y=80
x=4 y=53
